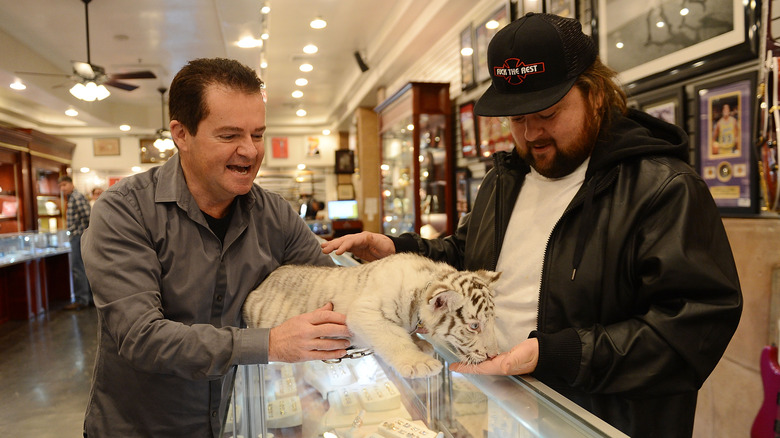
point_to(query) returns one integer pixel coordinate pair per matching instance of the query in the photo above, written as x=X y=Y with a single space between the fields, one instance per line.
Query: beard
x=563 y=161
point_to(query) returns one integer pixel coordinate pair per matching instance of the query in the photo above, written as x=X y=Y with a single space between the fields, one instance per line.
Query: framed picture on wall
x=484 y=33
x=564 y=8
x=105 y=146
x=150 y=154
x=725 y=157
x=650 y=39
x=467 y=78
x=462 y=175
x=345 y=161
x=468 y=130
x=667 y=105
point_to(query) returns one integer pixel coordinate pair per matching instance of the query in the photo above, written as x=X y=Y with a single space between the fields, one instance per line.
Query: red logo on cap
x=515 y=71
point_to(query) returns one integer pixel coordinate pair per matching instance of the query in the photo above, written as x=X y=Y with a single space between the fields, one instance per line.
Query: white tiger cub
x=385 y=301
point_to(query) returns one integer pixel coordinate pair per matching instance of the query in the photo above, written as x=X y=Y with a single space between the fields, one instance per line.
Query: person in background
x=96 y=192
x=618 y=286
x=172 y=254
x=77 y=217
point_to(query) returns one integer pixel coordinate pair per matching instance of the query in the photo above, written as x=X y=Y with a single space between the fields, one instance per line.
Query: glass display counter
x=19 y=247
x=364 y=398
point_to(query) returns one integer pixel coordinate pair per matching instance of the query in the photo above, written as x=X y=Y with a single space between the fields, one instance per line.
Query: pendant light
x=164 y=141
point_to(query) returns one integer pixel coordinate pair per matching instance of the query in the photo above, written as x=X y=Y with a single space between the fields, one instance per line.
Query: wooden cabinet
x=417 y=161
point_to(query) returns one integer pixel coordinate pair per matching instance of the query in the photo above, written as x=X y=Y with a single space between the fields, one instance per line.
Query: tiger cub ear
x=489 y=276
x=445 y=300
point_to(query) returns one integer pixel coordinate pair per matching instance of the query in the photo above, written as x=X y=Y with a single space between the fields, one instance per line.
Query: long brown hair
x=602 y=93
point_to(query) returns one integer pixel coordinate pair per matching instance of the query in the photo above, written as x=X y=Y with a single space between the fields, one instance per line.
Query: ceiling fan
x=91 y=78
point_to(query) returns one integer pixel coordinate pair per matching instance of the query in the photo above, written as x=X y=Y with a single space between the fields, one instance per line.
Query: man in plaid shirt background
x=78 y=221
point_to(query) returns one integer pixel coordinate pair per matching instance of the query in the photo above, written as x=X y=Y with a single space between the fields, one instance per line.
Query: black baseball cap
x=534 y=61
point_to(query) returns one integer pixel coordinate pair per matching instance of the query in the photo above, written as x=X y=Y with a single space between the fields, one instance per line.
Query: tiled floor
x=45 y=373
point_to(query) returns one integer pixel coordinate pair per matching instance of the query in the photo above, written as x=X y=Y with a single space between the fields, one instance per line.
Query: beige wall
x=732 y=396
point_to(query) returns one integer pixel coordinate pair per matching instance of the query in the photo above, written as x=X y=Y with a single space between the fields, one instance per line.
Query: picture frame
x=103 y=147
x=563 y=8
x=280 y=147
x=152 y=155
x=468 y=79
x=724 y=154
x=344 y=161
x=484 y=33
x=462 y=205
x=648 y=55
x=468 y=130
x=494 y=135
x=345 y=191
x=665 y=104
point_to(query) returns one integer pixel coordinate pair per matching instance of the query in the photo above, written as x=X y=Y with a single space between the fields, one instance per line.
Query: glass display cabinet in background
x=50 y=205
x=10 y=202
x=417 y=161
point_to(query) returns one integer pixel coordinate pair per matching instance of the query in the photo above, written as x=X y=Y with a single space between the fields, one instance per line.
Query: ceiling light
x=297 y=94
x=310 y=49
x=467 y=51
x=301 y=112
x=660 y=24
x=84 y=170
x=684 y=11
x=264 y=35
x=318 y=23
x=136 y=168
x=89 y=91
x=492 y=24
x=18 y=85
x=301 y=166
x=249 y=43
x=326 y=132
x=71 y=112
x=265 y=9
x=301 y=82
x=124 y=128
x=306 y=67
x=263 y=63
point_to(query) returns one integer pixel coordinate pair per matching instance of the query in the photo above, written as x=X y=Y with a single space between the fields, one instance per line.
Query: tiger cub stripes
x=384 y=302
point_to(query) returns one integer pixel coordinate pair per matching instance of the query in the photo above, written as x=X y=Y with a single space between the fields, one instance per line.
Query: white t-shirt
x=539 y=205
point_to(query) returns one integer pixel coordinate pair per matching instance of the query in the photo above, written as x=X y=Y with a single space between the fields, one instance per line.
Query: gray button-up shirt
x=169 y=296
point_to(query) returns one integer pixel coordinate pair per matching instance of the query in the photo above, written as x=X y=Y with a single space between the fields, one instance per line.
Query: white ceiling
x=162 y=35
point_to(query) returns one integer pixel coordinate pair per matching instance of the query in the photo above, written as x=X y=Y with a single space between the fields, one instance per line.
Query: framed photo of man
x=725 y=157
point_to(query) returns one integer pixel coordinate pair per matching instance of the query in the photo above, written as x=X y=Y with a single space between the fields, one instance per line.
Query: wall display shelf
x=363 y=397
x=417 y=161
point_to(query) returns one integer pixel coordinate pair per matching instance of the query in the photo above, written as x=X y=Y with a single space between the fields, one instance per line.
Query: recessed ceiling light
x=301 y=82
x=467 y=51
x=492 y=24
x=71 y=112
x=18 y=85
x=84 y=170
x=124 y=128
x=318 y=23
x=136 y=168
x=297 y=94
x=263 y=64
x=249 y=43
x=306 y=67
x=326 y=132
x=265 y=9
x=264 y=36
x=301 y=112
x=310 y=49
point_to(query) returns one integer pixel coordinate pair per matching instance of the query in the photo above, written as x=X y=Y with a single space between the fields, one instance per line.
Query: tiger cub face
x=459 y=311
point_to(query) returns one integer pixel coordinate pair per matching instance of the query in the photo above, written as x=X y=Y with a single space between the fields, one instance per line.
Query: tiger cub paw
x=419 y=369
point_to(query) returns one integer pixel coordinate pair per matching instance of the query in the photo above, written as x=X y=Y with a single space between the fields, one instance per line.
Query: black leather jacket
x=639 y=295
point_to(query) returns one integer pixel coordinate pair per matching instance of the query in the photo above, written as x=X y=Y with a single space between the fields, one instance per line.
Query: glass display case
x=50 y=206
x=9 y=199
x=364 y=398
x=417 y=161
x=19 y=247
